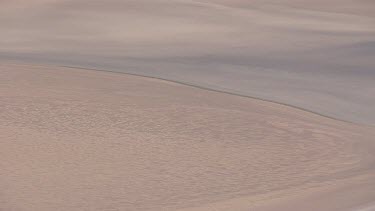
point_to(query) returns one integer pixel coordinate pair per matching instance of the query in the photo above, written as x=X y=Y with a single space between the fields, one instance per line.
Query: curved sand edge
x=199 y=87
x=216 y=90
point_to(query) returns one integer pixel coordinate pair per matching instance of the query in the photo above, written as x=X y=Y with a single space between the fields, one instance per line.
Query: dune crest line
x=213 y=90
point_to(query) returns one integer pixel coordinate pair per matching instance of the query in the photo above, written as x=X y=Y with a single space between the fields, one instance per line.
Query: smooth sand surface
x=73 y=139
x=313 y=54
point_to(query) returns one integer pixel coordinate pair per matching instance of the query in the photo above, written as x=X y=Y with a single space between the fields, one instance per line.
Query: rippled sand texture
x=74 y=139
x=313 y=54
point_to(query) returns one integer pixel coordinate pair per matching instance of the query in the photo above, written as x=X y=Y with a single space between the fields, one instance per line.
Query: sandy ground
x=76 y=139
x=314 y=54
x=73 y=139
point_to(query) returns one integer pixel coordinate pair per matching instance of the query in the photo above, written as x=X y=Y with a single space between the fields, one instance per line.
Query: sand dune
x=317 y=55
x=74 y=139
x=194 y=134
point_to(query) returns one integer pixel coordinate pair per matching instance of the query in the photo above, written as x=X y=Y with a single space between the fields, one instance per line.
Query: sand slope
x=74 y=139
x=314 y=54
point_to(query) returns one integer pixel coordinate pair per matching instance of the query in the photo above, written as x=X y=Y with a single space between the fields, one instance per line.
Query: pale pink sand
x=74 y=139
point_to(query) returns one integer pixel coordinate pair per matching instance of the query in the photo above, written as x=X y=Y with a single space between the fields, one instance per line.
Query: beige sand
x=313 y=54
x=73 y=139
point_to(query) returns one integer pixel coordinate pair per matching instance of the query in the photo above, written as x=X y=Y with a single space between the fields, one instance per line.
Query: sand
x=262 y=105
x=74 y=139
x=313 y=54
